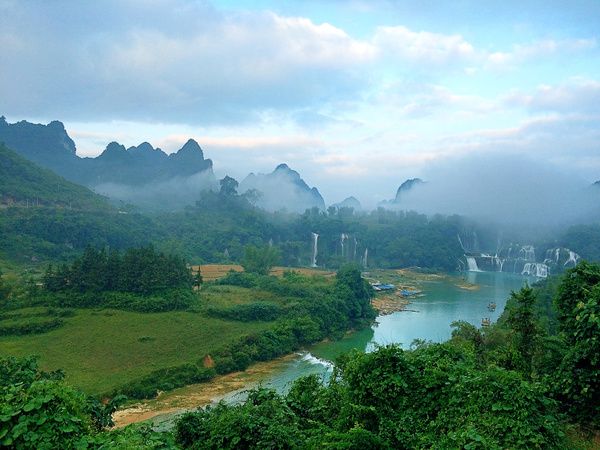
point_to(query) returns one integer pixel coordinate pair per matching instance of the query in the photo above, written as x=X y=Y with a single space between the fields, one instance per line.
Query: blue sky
x=357 y=96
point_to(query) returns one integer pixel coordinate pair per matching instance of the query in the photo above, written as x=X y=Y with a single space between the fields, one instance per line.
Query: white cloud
x=507 y=188
x=577 y=95
x=536 y=51
x=353 y=105
x=423 y=47
x=215 y=69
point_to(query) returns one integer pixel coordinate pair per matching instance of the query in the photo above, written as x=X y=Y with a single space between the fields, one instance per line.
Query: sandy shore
x=194 y=396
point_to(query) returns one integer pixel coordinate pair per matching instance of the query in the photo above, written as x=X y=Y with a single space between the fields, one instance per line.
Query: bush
x=246 y=312
x=30 y=326
x=166 y=379
x=240 y=279
x=38 y=409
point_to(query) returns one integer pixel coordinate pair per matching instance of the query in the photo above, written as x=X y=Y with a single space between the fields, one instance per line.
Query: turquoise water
x=443 y=303
x=429 y=319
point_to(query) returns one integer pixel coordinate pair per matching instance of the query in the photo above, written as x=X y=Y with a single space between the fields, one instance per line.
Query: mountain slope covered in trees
x=23 y=183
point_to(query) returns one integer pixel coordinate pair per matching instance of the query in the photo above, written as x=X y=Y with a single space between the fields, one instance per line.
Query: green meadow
x=102 y=350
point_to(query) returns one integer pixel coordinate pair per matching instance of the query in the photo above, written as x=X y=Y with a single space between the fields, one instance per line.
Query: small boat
x=485 y=322
x=492 y=306
x=407 y=293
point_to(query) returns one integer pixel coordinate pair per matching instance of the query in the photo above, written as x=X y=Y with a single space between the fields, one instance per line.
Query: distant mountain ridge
x=350 y=202
x=147 y=177
x=47 y=145
x=142 y=175
x=283 y=189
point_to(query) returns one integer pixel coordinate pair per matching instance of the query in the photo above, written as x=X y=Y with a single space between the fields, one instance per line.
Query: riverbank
x=404 y=280
x=390 y=303
x=194 y=396
x=198 y=395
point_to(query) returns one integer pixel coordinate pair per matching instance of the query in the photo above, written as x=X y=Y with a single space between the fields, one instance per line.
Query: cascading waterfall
x=498 y=262
x=573 y=257
x=364 y=261
x=315 y=239
x=535 y=270
x=472 y=264
x=461 y=243
x=475 y=242
x=527 y=253
x=521 y=260
x=556 y=257
x=342 y=239
x=561 y=257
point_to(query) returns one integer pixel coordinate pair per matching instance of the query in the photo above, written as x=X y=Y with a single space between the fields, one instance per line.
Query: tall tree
x=228 y=186
x=578 y=312
x=260 y=260
x=526 y=329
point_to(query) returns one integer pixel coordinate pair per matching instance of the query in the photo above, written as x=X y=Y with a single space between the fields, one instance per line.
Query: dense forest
x=218 y=227
x=513 y=385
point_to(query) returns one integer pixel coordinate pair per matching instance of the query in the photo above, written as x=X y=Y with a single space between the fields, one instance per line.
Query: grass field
x=101 y=350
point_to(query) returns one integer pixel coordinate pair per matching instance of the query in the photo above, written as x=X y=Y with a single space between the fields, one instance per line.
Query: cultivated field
x=212 y=272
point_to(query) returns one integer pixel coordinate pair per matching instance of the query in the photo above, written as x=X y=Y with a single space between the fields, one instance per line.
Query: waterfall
x=535 y=270
x=496 y=261
x=472 y=264
x=475 y=242
x=573 y=257
x=365 y=258
x=355 y=247
x=315 y=238
x=527 y=253
x=342 y=239
x=461 y=243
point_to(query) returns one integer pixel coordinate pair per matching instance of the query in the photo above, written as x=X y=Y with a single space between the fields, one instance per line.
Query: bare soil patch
x=211 y=272
x=197 y=395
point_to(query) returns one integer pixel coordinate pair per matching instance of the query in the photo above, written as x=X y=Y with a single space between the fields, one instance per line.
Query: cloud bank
x=506 y=189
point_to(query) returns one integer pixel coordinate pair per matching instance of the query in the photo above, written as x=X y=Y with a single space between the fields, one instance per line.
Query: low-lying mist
x=169 y=195
x=504 y=189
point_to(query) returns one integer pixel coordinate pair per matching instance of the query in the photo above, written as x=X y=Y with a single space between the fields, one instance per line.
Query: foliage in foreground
x=434 y=397
x=507 y=387
x=504 y=388
x=38 y=410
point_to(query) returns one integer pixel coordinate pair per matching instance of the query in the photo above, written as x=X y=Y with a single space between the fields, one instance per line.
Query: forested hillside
x=23 y=183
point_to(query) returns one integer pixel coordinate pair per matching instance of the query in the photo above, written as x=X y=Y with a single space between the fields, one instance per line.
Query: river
x=464 y=296
x=427 y=318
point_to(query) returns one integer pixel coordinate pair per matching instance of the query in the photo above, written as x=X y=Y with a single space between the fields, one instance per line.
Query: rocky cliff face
x=46 y=145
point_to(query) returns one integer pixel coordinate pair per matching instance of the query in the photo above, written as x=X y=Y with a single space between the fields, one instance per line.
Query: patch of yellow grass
x=211 y=272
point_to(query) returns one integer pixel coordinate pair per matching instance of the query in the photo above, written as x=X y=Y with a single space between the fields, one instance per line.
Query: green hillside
x=23 y=183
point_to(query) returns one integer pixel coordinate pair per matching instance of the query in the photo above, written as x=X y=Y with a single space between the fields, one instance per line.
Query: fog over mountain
x=168 y=195
x=283 y=190
x=504 y=188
